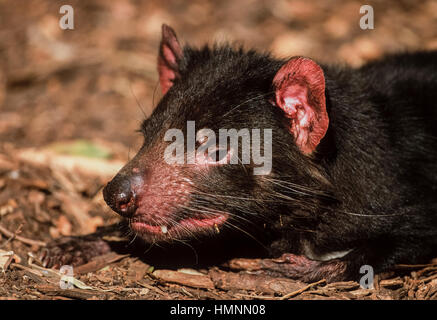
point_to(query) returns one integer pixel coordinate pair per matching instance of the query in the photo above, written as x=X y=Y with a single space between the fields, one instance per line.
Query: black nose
x=119 y=195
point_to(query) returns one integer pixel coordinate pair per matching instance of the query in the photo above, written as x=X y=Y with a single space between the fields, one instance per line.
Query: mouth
x=182 y=229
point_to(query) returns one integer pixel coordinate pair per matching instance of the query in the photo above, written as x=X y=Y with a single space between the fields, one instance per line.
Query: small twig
x=187 y=292
x=425 y=270
x=414 y=266
x=295 y=293
x=37 y=273
x=12 y=237
x=28 y=241
x=145 y=285
x=99 y=262
x=428 y=278
x=74 y=293
x=255 y=296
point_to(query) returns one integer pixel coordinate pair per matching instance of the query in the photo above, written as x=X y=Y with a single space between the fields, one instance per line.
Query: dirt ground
x=72 y=100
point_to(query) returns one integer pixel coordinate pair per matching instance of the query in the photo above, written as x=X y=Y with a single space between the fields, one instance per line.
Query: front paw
x=304 y=269
x=73 y=251
x=297 y=267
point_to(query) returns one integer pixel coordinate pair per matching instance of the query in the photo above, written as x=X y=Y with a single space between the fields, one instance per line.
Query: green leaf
x=83 y=148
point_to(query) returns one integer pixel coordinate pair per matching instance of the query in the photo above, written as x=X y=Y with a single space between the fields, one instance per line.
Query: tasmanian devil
x=353 y=177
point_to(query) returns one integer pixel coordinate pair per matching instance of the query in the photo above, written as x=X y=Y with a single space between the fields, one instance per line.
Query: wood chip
x=253 y=282
x=53 y=290
x=190 y=280
x=343 y=285
x=99 y=262
x=244 y=264
x=5 y=259
x=391 y=283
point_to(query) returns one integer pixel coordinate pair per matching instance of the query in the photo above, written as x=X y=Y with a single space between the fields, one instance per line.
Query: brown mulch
x=41 y=201
x=98 y=81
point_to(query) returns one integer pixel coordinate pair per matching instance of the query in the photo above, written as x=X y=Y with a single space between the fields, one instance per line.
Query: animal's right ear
x=170 y=55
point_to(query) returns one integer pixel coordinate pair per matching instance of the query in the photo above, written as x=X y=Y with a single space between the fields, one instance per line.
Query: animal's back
x=404 y=88
x=406 y=84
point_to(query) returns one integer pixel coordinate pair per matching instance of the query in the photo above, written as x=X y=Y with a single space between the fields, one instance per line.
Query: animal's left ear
x=170 y=55
x=300 y=93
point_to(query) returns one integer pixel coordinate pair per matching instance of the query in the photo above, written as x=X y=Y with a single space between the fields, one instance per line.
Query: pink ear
x=170 y=54
x=300 y=92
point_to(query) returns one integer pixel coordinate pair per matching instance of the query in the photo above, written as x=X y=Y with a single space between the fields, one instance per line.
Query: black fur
x=370 y=186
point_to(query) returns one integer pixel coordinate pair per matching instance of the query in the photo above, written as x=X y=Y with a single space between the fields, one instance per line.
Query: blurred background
x=72 y=100
x=57 y=85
